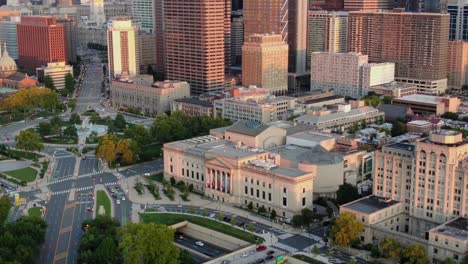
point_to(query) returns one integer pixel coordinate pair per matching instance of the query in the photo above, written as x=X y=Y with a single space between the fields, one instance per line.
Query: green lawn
x=307 y=259
x=34 y=211
x=157 y=177
x=26 y=174
x=103 y=199
x=170 y=219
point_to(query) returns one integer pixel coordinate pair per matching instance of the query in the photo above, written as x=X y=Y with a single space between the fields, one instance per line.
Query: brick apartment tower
x=416 y=42
x=196 y=35
x=40 y=41
x=265 y=63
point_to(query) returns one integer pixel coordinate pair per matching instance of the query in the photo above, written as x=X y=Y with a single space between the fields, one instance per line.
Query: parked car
x=123 y=198
x=245 y=254
x=117 y=201
x=269 y=257
x=261 y=248
x=89 y=209
x=271 y=252
x=147 y=174
x=212 y=215
x=241 y=225
x=260 y=261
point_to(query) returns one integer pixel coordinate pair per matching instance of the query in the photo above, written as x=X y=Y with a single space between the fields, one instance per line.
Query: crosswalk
x=60 y=192
x=84 y=188
x=60 y=180
x=90 y=174
x=110 y=183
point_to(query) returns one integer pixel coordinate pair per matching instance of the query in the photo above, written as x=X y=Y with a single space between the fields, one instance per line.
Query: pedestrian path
x=86 y=188
x=284 y=247
x=60 y=180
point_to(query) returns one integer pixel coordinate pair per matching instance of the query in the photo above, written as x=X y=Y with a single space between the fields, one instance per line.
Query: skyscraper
x=265 y=63
x=327 y=31
x=458 y=10
x=97 y=12
x=40 y=41
x=9 y=35
x=457 y=64
x=69 y=26
x=196 y=40
x=368 y=5
x=237 y=37
x=415 y=42
x=122 y=48
x=158 y=29
x=143 y=13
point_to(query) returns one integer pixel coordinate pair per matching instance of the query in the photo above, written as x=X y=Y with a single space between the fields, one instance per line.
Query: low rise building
x=57 y=72
x=449 y=240
x=428 y=104
x=395 y=89
x=341 y=119
x=150 y=98
x=193 y=107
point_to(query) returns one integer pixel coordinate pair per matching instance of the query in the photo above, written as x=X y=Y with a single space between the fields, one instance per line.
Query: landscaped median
x=103 y=199
x=170 y=219
x=25 y=174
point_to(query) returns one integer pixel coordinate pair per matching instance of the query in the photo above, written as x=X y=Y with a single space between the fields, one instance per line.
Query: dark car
x=269 y=257
x=260 y=261
x=241 y=225
x=271 y=252
x=227 y=219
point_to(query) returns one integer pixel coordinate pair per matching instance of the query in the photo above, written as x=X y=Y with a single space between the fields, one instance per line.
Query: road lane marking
x=60 y=256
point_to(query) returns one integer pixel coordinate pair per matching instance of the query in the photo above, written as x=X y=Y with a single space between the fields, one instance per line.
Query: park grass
x=25 y=174
x=103 y=199
x=157 y=177
x=170 y=219
x=34 y=211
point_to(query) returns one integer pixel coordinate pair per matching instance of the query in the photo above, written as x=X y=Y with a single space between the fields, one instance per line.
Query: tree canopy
x=5 y=206
x=113 y=149
x=346 y=193
x=75 y=119
x=138 y=244
x=390 y=248
x=120 y=122
x=346 y=229
x=414 y=254
x=28 y=99
x=29 y=141
x=49 y=83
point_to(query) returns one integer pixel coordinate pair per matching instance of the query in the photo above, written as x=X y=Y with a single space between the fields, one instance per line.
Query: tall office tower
x=69 y=26
x=97 y=12
x=327 y=31
x=329 y=5
x=429 y=178
x=237 y=5
x=419 y=51
x=237 y=37
x=122 y=48
x=348 y=74
x=265 y=63
x=147 y=51
x=195 y=48
x=457 y=64
x=297 y=36
x=458 y=10
x=64 y=3
x=143 y=13
x=8 y=35
x=40 y=41
x=158 y=29
x=368 y=5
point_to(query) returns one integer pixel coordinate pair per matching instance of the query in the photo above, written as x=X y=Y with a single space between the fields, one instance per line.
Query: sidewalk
x=195 y=200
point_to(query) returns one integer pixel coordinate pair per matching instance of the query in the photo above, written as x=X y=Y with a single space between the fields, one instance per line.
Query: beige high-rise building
x=265 y=63
x=197 y=42
x=368 y=5
x=457 y=64
x=285 y=17
x=122 y=48
x=326 y=31
x=418 y=50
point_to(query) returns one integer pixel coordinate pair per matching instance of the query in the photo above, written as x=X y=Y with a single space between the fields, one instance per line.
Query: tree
x=48 y=82
x=251 y=227
x=120 y=122
x=297 y=221
x=45 y=129
x=5 y=206
x=70 y=132
x=137 y=244
x=233 y=221
x=262 y=210
x=307 y=216
x=29 y=141
x=450 y=115
x=204 y=212
x=465 y=259
x=106 y=148
x=185 y=257
x=72 y=103
x=99 y=242
x=315 y=250
x=250 y=206
x=398 y=128
x=346 y=229
x=414 y=254
x=449 y=261
x=372 y=100
x=75 y=119
x=390 y=248
x=123 y=148
x=387 y=100
x=138 y=133
x=28 y=99
x=56 y=121
x=465 y=87
x=273 y=214
x=94 y=118
x=346 y=193
x=69 y=82
x=220 y=216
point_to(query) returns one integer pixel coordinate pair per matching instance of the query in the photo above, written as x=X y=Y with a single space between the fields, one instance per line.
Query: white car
x=117 y=201
x=147 y=174
x=212 y=215
x=244 y=255
x=199 y=243
x=123 y=198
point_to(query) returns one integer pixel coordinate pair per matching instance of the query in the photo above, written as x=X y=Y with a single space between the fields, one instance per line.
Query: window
x=246 y=179
x=303 y=201
x=183 y=172
x=284 y=190
x=285 y=201
x=188 y=173
x=258 y=193
x=303 y=190
x=269 y=197
x=251 y=191
x=193 y=174
x=258 y=182
x=198 y=176
x=269 y=186
x=263 y=195
x=171 y=169
x=251 y=181
x=246 y=190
